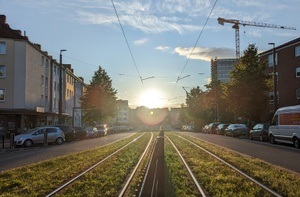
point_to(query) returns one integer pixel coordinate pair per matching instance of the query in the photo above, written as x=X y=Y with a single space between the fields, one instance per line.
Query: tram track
x=197 y=159
x=100 y=171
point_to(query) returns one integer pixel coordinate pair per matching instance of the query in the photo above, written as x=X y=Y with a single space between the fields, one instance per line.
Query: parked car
x=37 y=136
x=259 y=131
x=91 y=132
x=212 y=127
x=68 y=131
x=80 y=133
x=205 y=129
x=285 y=126
x=236 y=130
x=102 y=129
x=220 y=130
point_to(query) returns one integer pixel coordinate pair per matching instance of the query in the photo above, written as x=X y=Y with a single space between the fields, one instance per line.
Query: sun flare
x=152 y=99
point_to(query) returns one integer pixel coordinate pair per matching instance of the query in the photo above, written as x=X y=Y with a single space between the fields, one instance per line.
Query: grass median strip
x=107 y=179
x=38 y=179
x=283 y=181
x=179 y=183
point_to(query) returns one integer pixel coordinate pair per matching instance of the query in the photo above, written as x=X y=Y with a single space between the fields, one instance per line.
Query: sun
x=152 y=98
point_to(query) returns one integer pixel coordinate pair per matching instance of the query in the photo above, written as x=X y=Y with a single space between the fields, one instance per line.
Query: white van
x=285 y=126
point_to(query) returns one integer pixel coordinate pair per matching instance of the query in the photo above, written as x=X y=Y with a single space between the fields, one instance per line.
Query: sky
x=151 y=49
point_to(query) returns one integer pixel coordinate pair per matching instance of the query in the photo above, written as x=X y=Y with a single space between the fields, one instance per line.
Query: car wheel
x=250 y=137
x=28 y=143
x=296 y=143
x=261 y=138
x=272 y=139
x=59 y=141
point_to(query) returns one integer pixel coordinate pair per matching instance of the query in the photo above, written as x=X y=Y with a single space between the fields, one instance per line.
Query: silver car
x=37 y=136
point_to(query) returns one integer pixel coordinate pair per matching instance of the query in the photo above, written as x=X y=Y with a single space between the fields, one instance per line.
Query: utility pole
x=274 y=78
x=60 y=87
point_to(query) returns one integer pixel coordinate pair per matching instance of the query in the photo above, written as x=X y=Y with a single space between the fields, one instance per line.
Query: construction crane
x=236 y=24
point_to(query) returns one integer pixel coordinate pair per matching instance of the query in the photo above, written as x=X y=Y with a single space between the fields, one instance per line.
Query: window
x=298 y=93
x=42 y=80
x=42 y=100
x=2 y=47
x=297 y=51
x=2 y=95
x=2 y=71
x=47 y=63
x=270 y=60
x=298 y=72
x=46 y=82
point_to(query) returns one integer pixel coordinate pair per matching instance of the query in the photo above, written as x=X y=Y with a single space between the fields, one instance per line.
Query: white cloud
x=141 y=41
x=205 y=54
x=162 y=48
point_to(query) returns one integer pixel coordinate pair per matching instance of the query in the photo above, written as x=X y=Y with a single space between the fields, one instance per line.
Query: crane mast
x=236 y=26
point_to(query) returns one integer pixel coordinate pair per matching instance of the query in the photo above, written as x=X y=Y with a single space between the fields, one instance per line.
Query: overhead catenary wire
x=130 y=51
x=198 y=38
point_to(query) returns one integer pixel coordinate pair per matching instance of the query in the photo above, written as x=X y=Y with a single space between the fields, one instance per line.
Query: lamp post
x=274 y=78
x=60 y=87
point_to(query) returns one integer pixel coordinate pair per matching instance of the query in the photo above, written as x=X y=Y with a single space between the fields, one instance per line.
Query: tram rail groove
x=202 y=192
x=91 y=168
x=136 y=167
x=147 y=170
x=274 y=193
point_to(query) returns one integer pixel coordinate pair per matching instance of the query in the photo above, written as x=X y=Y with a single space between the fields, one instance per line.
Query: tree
x=246 y=91
x=99 y=102
x=199 y=107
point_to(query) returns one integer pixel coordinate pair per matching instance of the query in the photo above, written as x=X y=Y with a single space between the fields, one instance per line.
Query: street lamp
x=60 y=87
x=274 y=78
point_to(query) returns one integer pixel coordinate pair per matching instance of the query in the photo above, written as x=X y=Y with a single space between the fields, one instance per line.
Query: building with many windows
x=29 y=84
x=220 y=69
x=287 y=61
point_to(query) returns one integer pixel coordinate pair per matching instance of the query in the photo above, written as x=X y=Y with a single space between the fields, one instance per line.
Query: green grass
x=219 y=180
x=179 y=183
x=39 y=179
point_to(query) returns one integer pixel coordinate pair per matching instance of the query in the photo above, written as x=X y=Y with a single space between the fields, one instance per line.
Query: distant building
x=287 y=59
x=220 y=69
x=123 y=112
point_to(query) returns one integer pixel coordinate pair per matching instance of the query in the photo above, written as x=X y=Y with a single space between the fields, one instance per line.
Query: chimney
x=38 y=46
x=2 y=19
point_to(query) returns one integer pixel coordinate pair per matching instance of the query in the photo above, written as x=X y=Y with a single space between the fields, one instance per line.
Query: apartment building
x=220 y=69
x=29 y=84
x=123 y=112
x=287 y=61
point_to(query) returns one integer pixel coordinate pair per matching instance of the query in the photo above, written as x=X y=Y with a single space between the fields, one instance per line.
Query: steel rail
x=136 y=167
x=91 y=168
x=189 y=170
x=147 y=171
x=236 y=169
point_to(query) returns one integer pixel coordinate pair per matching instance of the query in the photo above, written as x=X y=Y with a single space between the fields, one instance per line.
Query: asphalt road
x=24 y=156
x=281 y=155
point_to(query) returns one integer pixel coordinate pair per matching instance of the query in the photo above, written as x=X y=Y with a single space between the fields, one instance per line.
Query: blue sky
x=161 y=35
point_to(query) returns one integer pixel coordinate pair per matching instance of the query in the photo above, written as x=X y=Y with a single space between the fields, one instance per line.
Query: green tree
x=218 y=103
x=199 y=106
x=99 y=102
x=246 y=92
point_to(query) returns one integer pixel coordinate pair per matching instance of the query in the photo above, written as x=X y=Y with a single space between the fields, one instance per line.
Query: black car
x=80 y=133
x=68 y=131
x=236 y=130
x=220 y=130
x=259 y=131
